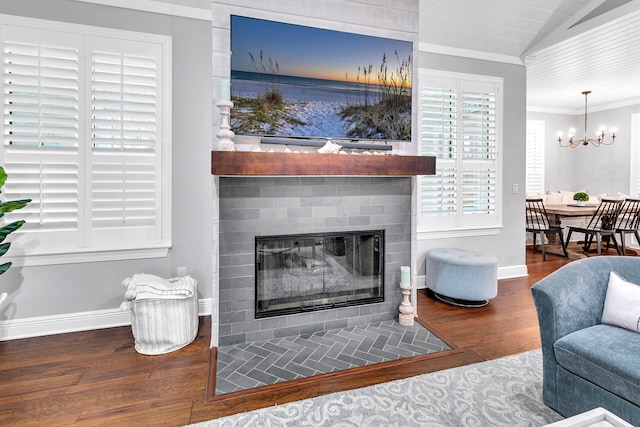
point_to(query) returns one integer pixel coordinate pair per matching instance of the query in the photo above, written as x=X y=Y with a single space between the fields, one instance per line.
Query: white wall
x=559 y=161
x=64 y=291
x=599 y=170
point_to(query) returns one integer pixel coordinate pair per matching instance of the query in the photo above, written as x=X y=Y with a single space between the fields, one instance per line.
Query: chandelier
x=586 y=141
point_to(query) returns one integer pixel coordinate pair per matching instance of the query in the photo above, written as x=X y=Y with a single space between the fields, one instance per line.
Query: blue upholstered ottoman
x=462 y=277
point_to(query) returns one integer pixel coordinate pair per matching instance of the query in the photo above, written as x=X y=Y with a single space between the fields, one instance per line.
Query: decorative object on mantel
x=330 y=147
x=586 y=141
x=406 y=308
x=225 y=134
x=379 y=146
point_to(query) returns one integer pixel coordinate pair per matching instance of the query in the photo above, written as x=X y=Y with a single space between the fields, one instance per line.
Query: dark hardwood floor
x=97 y=378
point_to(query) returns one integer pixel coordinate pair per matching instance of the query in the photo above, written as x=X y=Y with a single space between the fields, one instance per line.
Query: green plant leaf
x=12 y=205
x=3 y=176
x=4 y=248
x=9 y=228
x=581 y=196
x=4 y=267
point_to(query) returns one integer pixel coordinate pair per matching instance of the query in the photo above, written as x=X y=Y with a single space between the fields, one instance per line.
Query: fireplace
x=318 y=271
x=251 y=207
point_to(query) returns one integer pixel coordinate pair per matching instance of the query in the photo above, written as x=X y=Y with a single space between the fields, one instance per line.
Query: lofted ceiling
x=569 y=46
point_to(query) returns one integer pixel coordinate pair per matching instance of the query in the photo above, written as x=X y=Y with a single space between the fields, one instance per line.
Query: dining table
x=556 y=212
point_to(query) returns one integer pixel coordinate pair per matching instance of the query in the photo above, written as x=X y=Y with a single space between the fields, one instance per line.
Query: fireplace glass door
x=299 y=273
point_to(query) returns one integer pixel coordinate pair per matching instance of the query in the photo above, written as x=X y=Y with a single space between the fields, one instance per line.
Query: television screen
x=298 y=81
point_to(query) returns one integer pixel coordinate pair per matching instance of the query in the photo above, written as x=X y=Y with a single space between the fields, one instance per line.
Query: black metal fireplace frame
x=380 y=233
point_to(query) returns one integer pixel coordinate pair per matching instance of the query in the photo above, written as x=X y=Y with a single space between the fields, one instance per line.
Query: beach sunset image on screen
x=294 y=80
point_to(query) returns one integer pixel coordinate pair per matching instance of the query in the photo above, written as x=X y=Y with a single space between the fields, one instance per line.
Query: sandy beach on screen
x=317 y=107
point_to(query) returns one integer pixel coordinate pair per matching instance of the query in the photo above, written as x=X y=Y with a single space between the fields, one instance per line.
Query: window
x=535 y=157
x=634 y=166
x=460 y=125
x=87 y=137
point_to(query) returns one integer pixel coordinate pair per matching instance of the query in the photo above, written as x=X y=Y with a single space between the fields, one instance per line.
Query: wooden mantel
x=243 y=163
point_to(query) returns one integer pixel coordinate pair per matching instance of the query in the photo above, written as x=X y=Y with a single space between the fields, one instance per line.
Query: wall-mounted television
x=296 y=81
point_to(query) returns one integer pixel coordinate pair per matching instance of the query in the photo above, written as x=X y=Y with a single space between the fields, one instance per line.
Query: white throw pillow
x=553 y=198
x=595 y=200
x=622 y=304
x=567 y=196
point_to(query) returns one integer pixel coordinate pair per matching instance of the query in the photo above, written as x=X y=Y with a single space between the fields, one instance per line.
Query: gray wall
x=68 y=289
x=509 y=245
x=603 y=169
x=72 y=288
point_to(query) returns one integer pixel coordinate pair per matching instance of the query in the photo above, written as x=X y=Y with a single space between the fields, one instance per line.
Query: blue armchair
x=587 y=364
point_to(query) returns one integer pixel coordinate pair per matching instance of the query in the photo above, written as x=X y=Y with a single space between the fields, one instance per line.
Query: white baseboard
x=74 y=322
x=512 y=271
x=503 y=273
x=99 y=319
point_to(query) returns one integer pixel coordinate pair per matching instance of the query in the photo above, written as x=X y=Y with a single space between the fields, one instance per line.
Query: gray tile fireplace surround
x=293 y=205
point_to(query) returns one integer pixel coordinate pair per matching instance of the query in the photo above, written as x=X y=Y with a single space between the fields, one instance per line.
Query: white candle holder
x=406 y=317
x=225 y=134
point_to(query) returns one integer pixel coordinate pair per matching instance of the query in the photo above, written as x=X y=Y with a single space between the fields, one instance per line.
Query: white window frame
x=25 y=250
x=535 y=157
x=429 y=78
x=634 y=148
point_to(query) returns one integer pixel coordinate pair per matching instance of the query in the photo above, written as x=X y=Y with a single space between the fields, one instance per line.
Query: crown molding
x=550 y=110
x=468 y=53
x=156 y=7
x=592 y=109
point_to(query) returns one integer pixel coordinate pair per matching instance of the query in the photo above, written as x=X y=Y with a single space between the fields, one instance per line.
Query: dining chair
x=538 y=224
x=628 y=221
x=601 y=225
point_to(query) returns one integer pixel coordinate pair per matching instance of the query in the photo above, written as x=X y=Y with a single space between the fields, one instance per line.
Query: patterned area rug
x=501 y=392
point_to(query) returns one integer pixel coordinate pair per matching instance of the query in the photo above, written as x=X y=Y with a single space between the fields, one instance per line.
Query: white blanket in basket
x=164 y=312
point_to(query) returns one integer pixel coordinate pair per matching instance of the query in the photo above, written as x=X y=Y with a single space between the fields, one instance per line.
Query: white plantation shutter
x=123 y=189
x=438 y=137
x=125 y=135
x=41 y=94
x=459 y=125
x=535 y=157
x=479 y=154
x=85 y=137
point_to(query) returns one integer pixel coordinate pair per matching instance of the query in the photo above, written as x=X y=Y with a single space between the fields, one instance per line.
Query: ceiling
x=569 y=46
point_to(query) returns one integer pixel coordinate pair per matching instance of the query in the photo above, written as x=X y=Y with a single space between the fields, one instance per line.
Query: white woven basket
x=165 y=321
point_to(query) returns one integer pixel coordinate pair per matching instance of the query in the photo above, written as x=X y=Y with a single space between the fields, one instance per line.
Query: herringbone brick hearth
x=251 y=365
